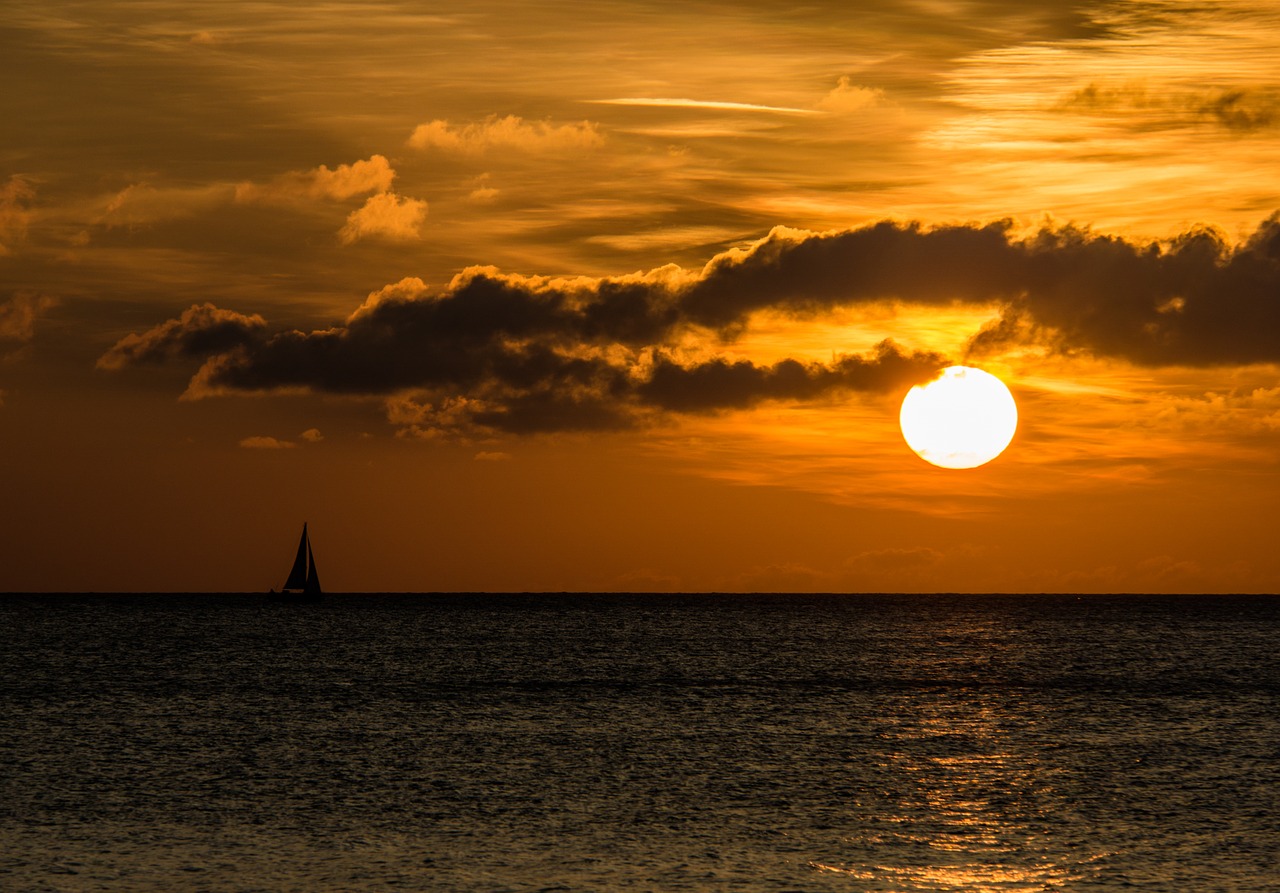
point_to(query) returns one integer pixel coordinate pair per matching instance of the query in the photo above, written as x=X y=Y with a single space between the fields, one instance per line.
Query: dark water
x=523 y=743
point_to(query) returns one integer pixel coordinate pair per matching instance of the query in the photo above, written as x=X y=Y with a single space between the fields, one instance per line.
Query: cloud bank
x=526 y=354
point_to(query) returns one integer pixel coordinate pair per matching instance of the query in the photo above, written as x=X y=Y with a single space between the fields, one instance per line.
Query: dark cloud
x=719 y=384
x=887 y=260
x=534 y=354
x=1192 y=301
x=201 y=330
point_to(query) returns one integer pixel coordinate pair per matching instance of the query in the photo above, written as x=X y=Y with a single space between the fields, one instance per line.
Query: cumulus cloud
x=514 y=354
x=385 y=216
x=1192 y=300
x=312 y=435
x=410 y=288
x=201 y=330
x=510 y=132
x=20 y=314
x=343 y=182
x=16 y=196
x=527 y=354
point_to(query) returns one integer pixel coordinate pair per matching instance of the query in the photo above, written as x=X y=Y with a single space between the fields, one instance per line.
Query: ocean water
x=600 y=742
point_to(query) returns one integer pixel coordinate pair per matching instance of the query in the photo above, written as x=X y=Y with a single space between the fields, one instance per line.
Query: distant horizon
x=661 y=593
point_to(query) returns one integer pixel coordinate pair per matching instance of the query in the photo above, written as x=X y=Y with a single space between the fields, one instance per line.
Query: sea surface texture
x=666 y=743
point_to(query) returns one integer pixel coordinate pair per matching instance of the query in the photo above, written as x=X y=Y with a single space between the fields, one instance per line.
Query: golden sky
x=510 y=296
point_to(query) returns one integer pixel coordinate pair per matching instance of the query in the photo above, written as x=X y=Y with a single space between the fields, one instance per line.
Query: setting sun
x=962 y=419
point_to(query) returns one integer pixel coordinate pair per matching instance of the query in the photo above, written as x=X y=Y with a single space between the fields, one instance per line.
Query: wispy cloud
x=343 y=182
x=717 y=105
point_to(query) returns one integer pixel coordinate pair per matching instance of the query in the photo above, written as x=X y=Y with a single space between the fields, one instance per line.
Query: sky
x=502 y=296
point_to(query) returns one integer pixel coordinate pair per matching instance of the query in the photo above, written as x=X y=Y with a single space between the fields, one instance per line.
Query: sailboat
x=303 y=584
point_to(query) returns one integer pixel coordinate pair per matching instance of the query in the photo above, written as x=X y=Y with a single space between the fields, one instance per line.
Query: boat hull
x=295 y=598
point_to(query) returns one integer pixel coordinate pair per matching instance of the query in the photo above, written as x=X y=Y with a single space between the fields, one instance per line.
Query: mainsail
x=313 y=579
x=302 y=577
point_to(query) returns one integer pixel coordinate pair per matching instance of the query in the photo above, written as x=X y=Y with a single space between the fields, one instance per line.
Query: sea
x=599 y=742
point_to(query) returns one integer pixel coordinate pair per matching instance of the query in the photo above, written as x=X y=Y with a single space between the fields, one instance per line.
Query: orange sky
x=501 y=297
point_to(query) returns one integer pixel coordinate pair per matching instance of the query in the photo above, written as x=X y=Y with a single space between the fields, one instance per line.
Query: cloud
x=20 y=314
x=483 y=193
x=716 y=105
x=16 y=196
x=719 y=384
x=410 y=288
x=493 y=356
x=343 y=182
x=386 y=216
x=848 y=98
x=491 y=456
x=511 y=132
x=415 y=416
x=201 y=330
x=1239 y=109
x=525 y=354
x=1190 y=300
x=140 y=204
x=1193 y=300
x=266 y=443
x=312 y=435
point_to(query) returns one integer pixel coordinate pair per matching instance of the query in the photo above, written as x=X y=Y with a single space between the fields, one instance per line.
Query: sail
x=313 y=581
x=298 y=576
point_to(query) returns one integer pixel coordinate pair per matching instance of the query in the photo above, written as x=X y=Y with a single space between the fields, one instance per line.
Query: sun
x=962 y=419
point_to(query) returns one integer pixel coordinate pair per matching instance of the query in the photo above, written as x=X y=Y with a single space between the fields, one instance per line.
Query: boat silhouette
x=303 y=584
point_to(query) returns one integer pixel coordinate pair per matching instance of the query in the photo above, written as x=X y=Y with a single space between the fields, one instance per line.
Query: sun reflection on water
x=968 y=808
x=974 y=877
